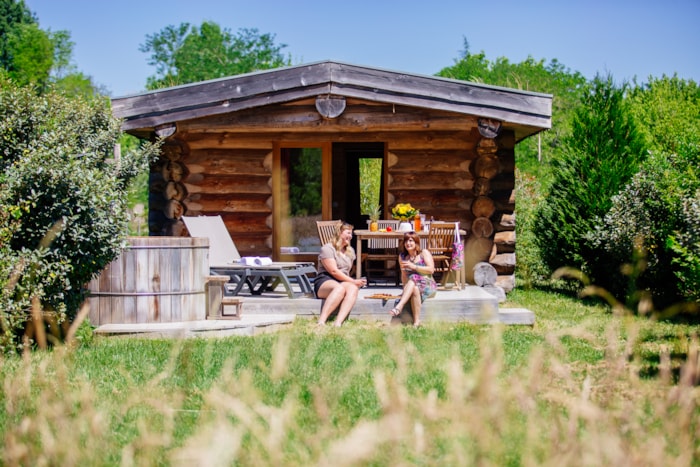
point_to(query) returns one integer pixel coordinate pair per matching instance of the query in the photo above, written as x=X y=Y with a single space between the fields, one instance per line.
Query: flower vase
x=405 y=226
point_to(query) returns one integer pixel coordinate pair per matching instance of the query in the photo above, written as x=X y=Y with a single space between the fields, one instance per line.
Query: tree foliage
x=34 y=57
x=589 y=205
x=664 y=109
x=554 y=78
x=63 y=199
x=600 y=156
x=13 y=14
x=651 y=234
x=186 y=54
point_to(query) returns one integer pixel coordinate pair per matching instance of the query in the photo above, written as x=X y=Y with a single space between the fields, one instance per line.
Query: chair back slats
x=439 y=242
x=327 y=230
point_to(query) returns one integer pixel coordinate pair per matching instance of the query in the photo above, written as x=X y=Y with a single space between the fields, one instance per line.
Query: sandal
x=395 y=312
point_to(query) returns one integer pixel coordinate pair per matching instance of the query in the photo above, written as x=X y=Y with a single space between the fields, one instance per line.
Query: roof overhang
x=525 y=112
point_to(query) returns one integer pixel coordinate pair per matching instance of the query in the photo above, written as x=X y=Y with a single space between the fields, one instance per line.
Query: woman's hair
x=415 y=238
x=337 y=242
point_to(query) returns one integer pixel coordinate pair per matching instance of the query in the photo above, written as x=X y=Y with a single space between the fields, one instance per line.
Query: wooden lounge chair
x=224 y=259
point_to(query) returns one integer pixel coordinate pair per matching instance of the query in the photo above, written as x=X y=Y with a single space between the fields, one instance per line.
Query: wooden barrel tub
x=154 y=280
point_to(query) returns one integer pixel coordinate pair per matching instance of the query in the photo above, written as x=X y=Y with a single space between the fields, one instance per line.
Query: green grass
x=579 y=387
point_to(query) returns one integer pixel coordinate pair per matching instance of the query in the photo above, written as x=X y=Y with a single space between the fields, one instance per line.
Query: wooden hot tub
x=154 y=280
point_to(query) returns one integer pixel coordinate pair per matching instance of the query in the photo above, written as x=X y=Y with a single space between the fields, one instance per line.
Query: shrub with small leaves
x=65 y=195
x=650 y=238
x=686 y=246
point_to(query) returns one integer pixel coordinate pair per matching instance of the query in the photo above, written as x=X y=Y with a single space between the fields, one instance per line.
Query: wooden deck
x=267 y=313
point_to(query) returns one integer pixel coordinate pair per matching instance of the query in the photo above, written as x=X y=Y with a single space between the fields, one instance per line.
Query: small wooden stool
x=217 y=302
x=228 y=302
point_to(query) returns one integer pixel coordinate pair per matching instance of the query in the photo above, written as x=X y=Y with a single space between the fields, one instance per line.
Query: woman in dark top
x=333 y=281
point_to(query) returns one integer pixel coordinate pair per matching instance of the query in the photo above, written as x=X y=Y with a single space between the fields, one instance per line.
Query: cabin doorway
x=321 y=182
x=358 y=181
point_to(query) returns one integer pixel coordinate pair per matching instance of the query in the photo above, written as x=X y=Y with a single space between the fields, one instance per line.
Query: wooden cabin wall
x=461 y=177
x=233 y=182
x=224 y=166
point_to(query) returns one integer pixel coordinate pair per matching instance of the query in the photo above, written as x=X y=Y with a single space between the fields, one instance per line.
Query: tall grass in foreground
x=565 y=392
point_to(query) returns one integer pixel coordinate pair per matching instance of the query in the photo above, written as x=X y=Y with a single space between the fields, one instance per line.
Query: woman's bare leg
x=333 y=293
x=406 y=294
x=348 y=302
x=416 y=306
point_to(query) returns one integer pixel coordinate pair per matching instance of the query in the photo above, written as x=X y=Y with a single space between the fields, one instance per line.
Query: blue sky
x=625 y=38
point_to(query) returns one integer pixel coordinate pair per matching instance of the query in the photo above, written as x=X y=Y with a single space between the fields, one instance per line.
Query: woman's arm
x=429 y=267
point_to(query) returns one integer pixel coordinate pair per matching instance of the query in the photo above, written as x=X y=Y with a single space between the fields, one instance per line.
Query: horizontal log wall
x=462 y=177
x=438 y=162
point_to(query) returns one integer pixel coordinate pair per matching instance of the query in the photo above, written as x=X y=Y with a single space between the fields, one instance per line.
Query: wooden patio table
x=368 y=234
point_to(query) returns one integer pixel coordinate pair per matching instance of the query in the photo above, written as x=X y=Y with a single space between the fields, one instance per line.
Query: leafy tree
x=554 y=78
x=666 y=108
x=13 y=14
x=186 y=54
x=600 y=156
x=31 y=56
x=655 y=216
x=370 y=184
x=305 y=183
x=685 y=244
x=63 y=200
x=534 y=154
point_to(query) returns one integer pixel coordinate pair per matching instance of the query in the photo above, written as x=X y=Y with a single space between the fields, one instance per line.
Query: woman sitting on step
x=333 y=281
x=417 y=268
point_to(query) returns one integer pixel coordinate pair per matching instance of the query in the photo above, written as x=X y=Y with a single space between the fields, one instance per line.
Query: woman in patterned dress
x=417 y=268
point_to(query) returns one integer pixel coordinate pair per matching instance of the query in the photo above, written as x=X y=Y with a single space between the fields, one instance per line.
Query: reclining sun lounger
x=258 y=274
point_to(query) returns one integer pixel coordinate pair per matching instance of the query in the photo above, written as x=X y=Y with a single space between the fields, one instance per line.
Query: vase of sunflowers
x=405 y=213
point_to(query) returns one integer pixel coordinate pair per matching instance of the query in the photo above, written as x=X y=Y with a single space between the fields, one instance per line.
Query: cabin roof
x=524 y=112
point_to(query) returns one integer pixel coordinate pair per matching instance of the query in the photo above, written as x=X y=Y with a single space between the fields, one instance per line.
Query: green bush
x=649 y=240
x=65 y=193
x=685 y=245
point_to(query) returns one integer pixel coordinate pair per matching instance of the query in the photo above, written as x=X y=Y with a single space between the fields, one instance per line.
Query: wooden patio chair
x=327 y=230
x=382 y=254
x=441 y=237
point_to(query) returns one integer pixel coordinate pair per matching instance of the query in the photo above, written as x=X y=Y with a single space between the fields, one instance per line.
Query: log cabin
x=272 y=151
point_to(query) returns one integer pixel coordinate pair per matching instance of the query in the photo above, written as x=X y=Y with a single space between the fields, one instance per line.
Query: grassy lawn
x=581 y=387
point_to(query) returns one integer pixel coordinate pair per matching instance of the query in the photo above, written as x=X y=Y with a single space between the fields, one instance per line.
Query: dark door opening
x=358 y=180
